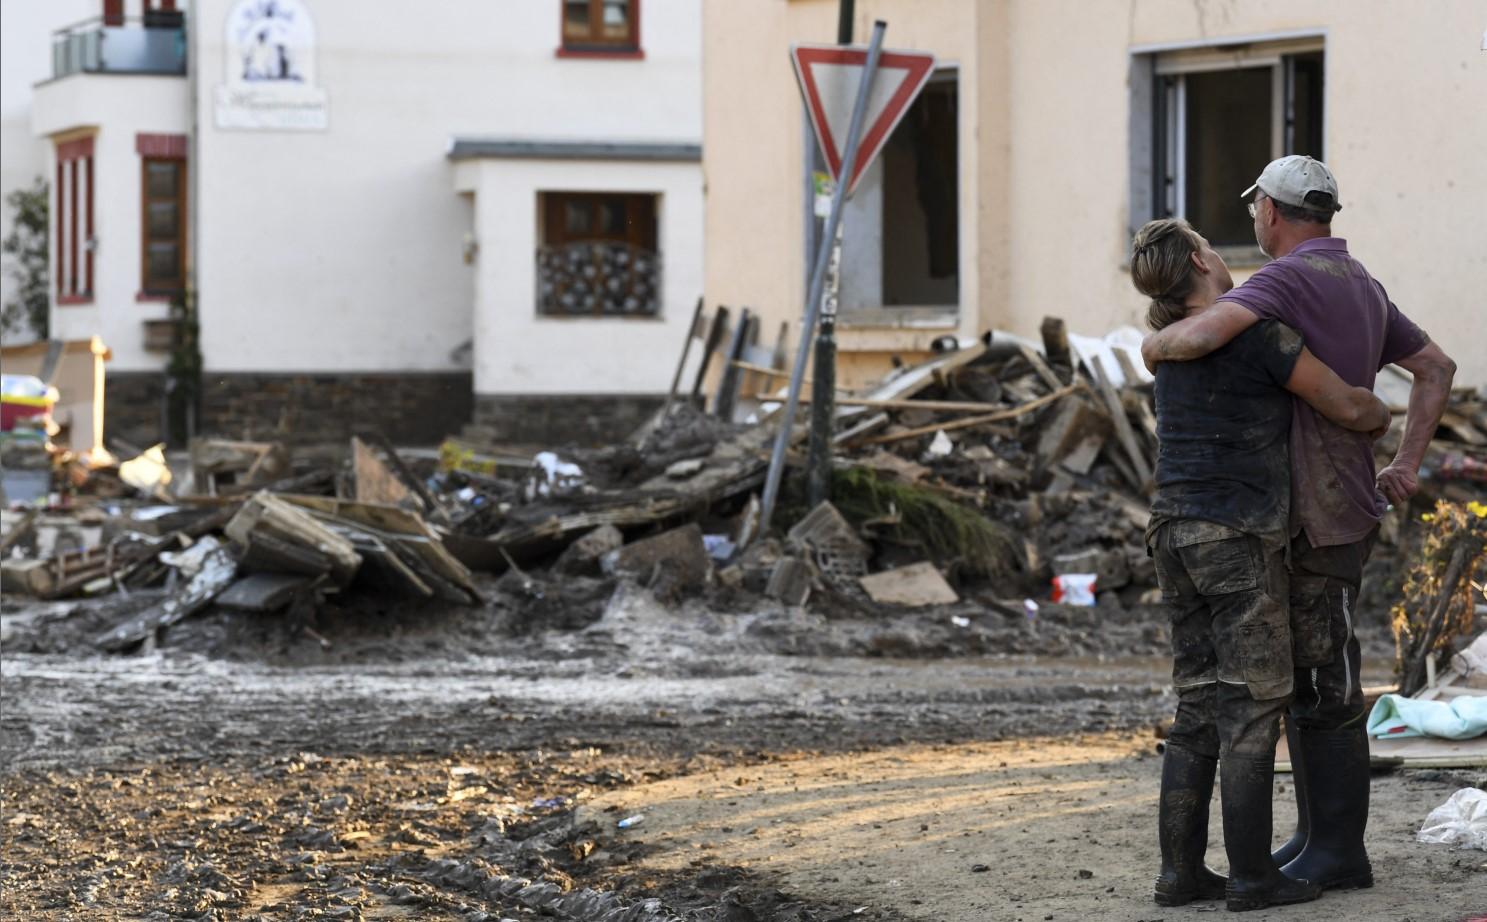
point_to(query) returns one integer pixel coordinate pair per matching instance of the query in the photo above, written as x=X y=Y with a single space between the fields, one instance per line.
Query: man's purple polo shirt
x=1349 y=323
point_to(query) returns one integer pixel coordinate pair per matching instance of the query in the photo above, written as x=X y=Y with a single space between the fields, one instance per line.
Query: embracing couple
x=1267 y=505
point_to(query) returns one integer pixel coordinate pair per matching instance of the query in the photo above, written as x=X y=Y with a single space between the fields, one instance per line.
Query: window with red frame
x=73 y=260
x=601 y=26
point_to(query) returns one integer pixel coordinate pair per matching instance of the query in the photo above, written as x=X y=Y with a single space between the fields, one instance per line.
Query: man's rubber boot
x=1254 y=882
x=1182 y=829
x=1287 y=852
x=1335 y=763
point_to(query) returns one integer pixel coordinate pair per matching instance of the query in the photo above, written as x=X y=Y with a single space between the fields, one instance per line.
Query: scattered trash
x=980 y=868
x=552 y=476
x=1460 y=821
x=960 y=621
x=148 y=473
x=630 y=822
x=1075 y=588
x=719 y=547
x=940 y=446
x=1462 y=718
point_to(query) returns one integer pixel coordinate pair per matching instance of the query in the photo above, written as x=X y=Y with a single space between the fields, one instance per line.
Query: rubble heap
x=1002 y=470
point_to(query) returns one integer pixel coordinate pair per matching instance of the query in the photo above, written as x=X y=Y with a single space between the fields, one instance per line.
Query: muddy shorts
x=1324 y=595
x=1225 y=593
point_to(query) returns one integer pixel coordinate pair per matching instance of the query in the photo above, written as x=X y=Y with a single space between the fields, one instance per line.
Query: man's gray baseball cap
x=1298 y=180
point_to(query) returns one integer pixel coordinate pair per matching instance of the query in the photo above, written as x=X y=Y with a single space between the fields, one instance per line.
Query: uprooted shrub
x=1440 y=590
x=949 y=531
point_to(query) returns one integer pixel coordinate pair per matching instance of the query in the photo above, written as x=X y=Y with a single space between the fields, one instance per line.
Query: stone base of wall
x=559 y=419
x=410 y=408
x=134 y=407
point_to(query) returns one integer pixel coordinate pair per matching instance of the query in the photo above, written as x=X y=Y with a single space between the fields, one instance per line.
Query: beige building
x=1052 y=128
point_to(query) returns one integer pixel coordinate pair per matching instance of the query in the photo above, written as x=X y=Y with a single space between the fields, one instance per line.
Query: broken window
x=1214 y=117
x=901 y=230
x=599 y=255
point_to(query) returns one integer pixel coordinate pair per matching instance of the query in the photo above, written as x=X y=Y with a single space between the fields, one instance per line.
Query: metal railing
x=151 y=45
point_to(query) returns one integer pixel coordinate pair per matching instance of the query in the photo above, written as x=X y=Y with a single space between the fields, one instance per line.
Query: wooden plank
x=271 y=515
x=871 y=424
x=1056 y=343
x=1040 y=367
x=1123 y=431
x=971 y=421
x=919 y=377
x=726 y=397
x=375 y=483
x=714 y=339
x=938 y=406
x=393 y=524
x=431 y=506
x=681 y=364
x=19 y=531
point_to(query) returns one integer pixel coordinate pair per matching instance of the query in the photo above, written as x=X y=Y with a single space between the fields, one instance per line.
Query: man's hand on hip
x=1398 y=482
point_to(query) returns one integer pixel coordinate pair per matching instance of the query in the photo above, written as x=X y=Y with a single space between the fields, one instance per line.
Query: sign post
x=826 y=75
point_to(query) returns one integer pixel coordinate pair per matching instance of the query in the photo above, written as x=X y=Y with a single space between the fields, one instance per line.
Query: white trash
x=1075 y=589
x=1461 y=820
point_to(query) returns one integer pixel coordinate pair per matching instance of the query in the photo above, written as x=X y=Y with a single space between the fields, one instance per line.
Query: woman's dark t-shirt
x=1223 y=427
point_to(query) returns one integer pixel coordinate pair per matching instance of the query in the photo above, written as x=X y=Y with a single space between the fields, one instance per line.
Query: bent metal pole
x=818 y=278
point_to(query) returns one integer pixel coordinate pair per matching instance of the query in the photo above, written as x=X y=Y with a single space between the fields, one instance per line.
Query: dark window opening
x=921 y=202
x=1214 y=131
x=599 y=255
x=601 y=25
x=1304 y=117
x=1228 y=142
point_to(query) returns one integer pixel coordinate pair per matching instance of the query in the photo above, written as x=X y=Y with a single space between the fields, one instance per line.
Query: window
x=599 y=255
x=901 y=235
x=162 y=215
x=1215 y=117
x=73 y=261
x=601 y=28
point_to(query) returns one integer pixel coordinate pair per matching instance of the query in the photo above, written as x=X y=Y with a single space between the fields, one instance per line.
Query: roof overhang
x=478 y=148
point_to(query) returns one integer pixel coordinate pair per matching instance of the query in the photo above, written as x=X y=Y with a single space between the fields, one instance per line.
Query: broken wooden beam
x=971 y=421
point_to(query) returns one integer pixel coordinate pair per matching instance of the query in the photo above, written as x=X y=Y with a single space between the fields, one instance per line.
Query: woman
x=1218 y=533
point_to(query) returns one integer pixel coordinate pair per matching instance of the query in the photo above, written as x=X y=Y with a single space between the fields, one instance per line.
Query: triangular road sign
x=829 y=76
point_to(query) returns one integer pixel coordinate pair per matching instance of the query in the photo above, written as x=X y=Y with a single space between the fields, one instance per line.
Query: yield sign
x=829 y=76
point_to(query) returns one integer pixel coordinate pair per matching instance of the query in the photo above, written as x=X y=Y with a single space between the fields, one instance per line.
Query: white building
x=391 y=217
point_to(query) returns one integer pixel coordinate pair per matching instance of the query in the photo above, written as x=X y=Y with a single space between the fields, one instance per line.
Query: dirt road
x=477 y=773
x=1059 y=828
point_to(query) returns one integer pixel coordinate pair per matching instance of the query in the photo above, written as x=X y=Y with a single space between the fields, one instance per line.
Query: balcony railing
x=155 y=44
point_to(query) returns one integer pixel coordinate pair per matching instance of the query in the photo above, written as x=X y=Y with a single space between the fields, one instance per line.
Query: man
x=1219 y=529
x=1314 y=286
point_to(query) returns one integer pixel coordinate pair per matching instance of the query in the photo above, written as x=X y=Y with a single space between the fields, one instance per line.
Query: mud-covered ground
x=431 y=763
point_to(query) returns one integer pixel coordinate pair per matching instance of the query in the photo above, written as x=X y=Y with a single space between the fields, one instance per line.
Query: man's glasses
x=1254 y=207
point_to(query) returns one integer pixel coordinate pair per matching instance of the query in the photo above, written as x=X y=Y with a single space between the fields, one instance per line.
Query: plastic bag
x=1461 y=821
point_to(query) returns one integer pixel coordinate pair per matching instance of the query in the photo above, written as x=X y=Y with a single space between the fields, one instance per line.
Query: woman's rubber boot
x=1335 y=763
x=1293 y=846
x=1182 y=829
x=1254 y=882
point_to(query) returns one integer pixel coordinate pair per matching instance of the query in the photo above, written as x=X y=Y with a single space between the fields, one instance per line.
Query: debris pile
x=1004 y=472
